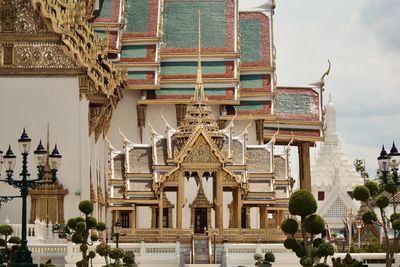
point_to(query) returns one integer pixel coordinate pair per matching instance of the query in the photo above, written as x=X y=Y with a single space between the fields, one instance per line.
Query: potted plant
x=264 y=261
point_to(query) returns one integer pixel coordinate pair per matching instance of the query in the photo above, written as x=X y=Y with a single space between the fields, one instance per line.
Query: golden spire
x=199 y=90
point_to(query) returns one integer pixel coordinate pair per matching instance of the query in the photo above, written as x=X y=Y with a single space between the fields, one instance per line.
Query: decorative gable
x=338 y=209
x=201 y=152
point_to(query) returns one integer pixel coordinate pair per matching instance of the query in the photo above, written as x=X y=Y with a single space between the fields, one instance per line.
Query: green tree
x=7 y=252
x=381 y=196
x=309 y=249
x=83 y=228
x=360 y=168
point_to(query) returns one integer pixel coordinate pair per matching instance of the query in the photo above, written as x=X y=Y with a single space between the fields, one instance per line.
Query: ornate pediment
x=201 y=152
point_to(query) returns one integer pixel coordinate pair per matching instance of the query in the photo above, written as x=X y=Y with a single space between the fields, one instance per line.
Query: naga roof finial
x=324 y=75
x=199 y=90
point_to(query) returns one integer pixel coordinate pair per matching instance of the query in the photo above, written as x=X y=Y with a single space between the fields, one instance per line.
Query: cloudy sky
x=361 y=38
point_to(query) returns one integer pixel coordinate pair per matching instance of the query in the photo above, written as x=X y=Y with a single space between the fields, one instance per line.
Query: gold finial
x=199 y=90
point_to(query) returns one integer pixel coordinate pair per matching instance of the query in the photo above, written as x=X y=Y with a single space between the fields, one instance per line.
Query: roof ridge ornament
x=322 y=82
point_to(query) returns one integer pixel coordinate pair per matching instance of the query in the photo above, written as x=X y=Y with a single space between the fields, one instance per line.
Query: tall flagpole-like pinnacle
x=199 y=90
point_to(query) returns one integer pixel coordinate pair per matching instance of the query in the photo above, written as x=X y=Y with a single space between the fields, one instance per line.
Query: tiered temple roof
x=157 y=41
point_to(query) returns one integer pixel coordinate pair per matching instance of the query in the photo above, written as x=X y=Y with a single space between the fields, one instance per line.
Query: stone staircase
x=201 y=252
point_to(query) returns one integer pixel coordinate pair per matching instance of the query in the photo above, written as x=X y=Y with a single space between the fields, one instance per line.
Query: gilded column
x=263 y=217
x=237 y=217
x=161 y=213
x=304 y=166
x=219 y=213
x=180 y=202
x=133 y=220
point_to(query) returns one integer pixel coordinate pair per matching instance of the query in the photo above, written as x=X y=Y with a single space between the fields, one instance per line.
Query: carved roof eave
x=82 y=44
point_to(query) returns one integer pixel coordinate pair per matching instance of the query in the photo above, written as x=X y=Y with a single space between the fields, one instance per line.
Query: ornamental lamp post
x=117 y=232
x=23 y=257
x=389 y=162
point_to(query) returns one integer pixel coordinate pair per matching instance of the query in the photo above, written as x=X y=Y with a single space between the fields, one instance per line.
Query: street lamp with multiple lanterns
x=24 y=257
x=389 y=162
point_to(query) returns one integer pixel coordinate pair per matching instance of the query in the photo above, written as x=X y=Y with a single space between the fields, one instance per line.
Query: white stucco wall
x=32 y=103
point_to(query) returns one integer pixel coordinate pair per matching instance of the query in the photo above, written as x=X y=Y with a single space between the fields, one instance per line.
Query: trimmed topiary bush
x=369 y=217
x=264 y=261
x=129 y=259
x=373 y=188
x=290 y=226
x=382 y=202
x=302 y=203
x=361 y=193
x=82 y=229
x=315 y=224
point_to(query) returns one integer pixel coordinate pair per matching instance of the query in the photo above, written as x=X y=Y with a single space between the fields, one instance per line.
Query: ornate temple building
x=334 y=178
x=167 y=112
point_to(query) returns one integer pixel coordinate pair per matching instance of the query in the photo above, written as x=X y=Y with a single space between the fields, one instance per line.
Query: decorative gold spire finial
x=199 y=90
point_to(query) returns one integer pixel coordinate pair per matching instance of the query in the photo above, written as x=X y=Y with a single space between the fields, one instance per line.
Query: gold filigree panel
x=201 y=153
x=42 y=56
x=19 y=17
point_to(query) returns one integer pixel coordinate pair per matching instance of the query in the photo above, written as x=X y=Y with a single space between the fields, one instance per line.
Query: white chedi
x=334 y=177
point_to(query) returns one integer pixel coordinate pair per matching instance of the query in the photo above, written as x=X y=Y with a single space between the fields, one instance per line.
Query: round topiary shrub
x=80 y=226
x=390 y=187
x=92 y=254
x=290 y=243
x=100 y=226
x=373 y=188
x=129 y=258
x=302 y=203
x=317 y=242
x=86 y=207
x=300 y=252
x=6 y=229
x=77 y=238
x=91 y=222
x=83 y=247
x=361 y=193
x=94 y=237
x=79 y=219
x=382 y=202
x=325 y=250
x=394 y=216
x=396 y=225
x=71 y=223
x=306 y=261
x=14 y=240
x=269 y=257
x=290 y=226
x=369 y=217
x=314 y=224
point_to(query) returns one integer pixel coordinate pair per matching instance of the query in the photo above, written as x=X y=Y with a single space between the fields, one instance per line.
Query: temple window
x=321 y=195
x=350 y=193
x=165 y=218
x=125 y=219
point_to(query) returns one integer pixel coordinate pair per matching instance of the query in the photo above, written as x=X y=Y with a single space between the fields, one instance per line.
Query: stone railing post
x=178 y=250
x=225 y=254
x=181 y=258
